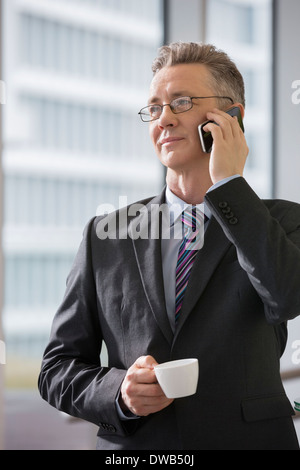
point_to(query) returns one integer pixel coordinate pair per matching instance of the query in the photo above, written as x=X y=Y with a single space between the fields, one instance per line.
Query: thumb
x=147 y=362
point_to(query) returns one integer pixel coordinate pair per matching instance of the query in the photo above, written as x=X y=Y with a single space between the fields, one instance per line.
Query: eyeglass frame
x=169 y=104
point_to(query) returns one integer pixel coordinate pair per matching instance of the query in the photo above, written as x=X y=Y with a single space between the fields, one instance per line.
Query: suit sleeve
x=267 y=239
x=72 y=378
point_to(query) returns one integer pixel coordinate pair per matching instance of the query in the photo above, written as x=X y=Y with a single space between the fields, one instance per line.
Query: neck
x=190 y=187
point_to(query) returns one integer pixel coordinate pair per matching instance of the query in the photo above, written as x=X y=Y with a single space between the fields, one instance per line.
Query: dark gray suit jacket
x=244 y=286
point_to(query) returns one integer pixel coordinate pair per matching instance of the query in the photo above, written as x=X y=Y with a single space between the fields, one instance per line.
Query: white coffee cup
x=178 y=378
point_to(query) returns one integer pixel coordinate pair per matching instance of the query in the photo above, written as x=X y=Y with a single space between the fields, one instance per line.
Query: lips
x=169 y=140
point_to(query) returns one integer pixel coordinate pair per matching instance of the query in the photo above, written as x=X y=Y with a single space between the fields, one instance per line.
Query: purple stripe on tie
x=186 y=257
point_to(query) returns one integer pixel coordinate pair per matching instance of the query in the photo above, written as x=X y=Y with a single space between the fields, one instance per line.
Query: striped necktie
x=186 y=254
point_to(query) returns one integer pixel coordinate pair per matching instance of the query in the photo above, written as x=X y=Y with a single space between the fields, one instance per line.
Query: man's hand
x=140 y=392
x=230 y=150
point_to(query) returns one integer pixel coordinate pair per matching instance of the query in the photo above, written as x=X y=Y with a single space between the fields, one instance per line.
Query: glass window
x=72 y=81
x=243 y=29
x=240 y=25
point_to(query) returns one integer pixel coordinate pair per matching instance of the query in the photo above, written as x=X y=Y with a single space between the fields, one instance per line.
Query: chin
x=178 y=162
x=172 y=161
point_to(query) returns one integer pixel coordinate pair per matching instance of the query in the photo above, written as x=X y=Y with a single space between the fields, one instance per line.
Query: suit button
x=111 y=428
x=226 y=210
x=233 y=220
x=223 y=204
x=107 y=427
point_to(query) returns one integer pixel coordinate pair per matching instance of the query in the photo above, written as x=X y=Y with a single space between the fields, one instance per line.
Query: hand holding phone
x=206 y=137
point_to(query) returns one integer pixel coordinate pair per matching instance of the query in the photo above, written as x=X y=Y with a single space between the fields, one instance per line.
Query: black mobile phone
x=206 y=137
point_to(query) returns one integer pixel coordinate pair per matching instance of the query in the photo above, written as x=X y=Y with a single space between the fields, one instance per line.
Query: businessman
x=230 y=312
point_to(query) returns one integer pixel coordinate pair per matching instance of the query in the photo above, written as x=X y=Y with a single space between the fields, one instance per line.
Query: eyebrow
x=177 y=94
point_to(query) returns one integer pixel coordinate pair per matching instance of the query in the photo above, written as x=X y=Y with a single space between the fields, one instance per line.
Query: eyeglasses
x=177 y=106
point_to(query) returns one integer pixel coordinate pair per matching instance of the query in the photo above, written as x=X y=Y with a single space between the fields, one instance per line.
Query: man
x=242 y=288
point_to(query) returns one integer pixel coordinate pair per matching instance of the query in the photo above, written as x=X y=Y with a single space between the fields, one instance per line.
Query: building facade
x=77 y=73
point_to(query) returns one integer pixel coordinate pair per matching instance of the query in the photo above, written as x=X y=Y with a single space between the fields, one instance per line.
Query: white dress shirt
x=169 y=250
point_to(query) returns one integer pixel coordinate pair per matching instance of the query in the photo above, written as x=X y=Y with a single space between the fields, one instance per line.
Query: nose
x=167 y=118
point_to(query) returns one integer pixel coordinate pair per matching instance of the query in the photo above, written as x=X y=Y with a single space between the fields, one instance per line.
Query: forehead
x=176 y=80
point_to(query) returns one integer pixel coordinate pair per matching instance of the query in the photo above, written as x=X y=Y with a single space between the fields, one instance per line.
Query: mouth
x=170 y=140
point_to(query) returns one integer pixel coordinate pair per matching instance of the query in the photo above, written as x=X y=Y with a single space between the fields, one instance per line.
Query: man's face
x=175 y=136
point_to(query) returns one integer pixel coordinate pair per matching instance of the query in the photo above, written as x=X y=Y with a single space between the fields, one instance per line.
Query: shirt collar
x=177 y=206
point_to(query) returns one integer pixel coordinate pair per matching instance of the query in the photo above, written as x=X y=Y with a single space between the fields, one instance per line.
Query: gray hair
x=226 y=80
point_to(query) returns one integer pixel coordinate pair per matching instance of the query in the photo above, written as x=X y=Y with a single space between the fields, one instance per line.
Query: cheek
x=195 y=132
x=197 y=136
x=154 y=134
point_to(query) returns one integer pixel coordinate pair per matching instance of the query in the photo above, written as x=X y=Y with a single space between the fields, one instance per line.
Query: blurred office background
x=76 y=72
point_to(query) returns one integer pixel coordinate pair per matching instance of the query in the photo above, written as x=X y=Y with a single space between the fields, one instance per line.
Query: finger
x=144 y=375
x=218 y=112
x=145 y=362
x=145 y=406
x=142 y=371
x=143 y=399
x=223 y=121
x=214 y=129
x=231 y=120
x=150 y=391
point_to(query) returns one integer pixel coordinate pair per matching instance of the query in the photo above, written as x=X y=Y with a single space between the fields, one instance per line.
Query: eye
x=154 y=110
x=182 y=103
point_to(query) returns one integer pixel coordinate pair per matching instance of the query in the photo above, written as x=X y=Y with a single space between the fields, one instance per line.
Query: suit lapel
x=213 y=250
x=148 y=254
